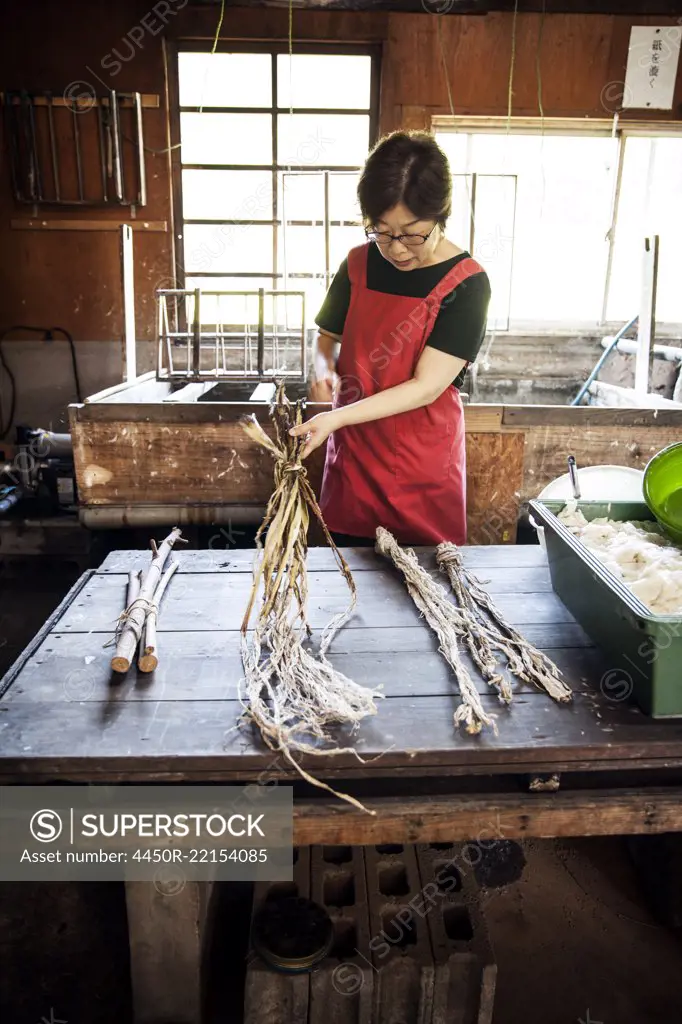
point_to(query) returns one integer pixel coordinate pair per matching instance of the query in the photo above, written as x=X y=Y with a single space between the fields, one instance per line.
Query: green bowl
x=663 y=489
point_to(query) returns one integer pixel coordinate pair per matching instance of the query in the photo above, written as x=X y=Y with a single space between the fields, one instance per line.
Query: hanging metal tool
x=116 y=145
x=139 y=133
x=77 y=146
x=53 y=149
x=34 y=151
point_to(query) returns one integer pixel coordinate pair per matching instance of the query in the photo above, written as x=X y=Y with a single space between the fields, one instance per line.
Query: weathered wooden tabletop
x=63 y=716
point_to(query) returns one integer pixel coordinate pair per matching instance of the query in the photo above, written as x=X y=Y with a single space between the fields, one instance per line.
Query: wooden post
x=166 y=936
x=647 y=318
x=128 y=291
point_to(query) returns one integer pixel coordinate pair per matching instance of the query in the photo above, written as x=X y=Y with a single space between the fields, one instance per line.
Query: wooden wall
x=72 y=277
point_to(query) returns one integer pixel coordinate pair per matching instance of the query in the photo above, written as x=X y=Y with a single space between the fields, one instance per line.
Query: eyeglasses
x=385 y=237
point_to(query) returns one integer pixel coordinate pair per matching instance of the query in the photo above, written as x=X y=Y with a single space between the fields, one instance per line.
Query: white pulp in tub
x=639 y=554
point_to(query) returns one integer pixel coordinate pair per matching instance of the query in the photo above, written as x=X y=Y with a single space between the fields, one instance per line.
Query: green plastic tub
x=645 y=649
x=663 y=489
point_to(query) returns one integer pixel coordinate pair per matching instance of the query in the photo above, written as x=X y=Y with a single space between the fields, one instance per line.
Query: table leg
x=167 y=927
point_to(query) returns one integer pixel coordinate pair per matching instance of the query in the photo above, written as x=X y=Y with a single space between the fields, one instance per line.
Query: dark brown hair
x=409 y=168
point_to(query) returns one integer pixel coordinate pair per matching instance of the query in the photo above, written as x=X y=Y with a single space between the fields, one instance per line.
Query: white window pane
x=234 y=318
x=650 y=203
x=324 y=80
x=240 y=310
x=314 y=289
x=494 y=241
x=565 y=185
x=302 y=195
x=459 y=224
x=341 y=241
x=226 y=138
x=455 y=146
x=227 y=195
x=225 y=248
x=564 y=191
x=302 y=250
x=313 y=140
x=225 y=79
x=343 y=198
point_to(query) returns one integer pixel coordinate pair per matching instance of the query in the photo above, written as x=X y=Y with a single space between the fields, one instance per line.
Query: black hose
x=76 y=378
x=48 y=335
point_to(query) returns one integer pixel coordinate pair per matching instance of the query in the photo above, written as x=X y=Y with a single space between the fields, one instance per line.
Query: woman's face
x=401 y=221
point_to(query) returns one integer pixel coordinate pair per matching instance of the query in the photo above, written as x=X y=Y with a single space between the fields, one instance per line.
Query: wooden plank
x=77 y=224
x=496 y=817
x=494 y=481
x=190 y=738
x=518 y=416
x=646 y=324
x=547 y=449
x=128 y=295
x=478 y=558
x=208 y=666
x=149 y=101
x=198 y=602
x=128 y=462
x=482 y=419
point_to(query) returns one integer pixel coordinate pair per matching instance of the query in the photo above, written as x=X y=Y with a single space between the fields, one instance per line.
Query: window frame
x=573 y=126
x=275 y=49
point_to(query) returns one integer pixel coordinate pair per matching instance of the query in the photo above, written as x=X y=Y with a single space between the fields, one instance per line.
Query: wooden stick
x=135 y=615
x=134 y=584
x=133 y=589
x=149 y=651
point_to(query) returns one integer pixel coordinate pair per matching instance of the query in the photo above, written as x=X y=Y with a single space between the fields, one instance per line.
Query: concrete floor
x=573 y=938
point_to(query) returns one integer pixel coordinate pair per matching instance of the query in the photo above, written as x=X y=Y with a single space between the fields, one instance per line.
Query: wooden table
x=62 y=718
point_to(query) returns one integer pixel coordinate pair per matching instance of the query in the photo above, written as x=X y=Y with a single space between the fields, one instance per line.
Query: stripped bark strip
x=446 y=621
x=291 y=695
x=488 y=632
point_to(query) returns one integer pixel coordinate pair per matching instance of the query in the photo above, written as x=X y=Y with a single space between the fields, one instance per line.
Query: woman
x=409 y=311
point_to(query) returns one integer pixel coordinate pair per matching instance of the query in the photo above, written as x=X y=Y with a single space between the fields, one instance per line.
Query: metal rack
x=189 y=349
x=44 y=132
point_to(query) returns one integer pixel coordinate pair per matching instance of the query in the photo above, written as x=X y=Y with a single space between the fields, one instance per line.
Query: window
x=557 y=214
x=271 y=147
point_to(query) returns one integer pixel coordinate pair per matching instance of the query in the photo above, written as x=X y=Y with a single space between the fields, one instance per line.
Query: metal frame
x=274 y=49
x=194 y=336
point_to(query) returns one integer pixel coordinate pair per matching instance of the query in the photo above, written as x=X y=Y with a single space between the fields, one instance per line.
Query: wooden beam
x=149 y=100
x=498 y=816
x=73 y=224
x=582 y=416
x=458 y=7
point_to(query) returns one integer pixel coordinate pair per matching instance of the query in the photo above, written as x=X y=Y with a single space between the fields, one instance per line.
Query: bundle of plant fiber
x=446 y=621
x=489 y=635
x=477 y=622
x=291 y=694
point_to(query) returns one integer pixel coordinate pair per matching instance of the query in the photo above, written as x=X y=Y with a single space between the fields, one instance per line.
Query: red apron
x=405 y=472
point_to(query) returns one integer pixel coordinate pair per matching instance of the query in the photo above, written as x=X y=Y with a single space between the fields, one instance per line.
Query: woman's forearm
x=413 y=394
x=325 y=355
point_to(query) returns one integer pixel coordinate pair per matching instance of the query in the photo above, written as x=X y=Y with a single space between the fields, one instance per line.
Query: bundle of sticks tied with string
x=136 y=629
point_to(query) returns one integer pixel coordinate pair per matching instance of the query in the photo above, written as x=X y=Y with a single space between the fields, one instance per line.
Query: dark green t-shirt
x=460 y=325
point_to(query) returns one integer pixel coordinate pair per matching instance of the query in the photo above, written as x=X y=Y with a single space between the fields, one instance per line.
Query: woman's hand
x=316 y=431
x=321 y=390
